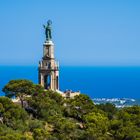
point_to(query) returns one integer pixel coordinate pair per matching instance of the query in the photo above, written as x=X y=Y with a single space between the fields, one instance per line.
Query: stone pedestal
x=48 y=68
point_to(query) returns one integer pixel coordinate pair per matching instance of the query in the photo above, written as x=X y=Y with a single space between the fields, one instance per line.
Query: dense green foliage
x=48 y=116
x=21 y=88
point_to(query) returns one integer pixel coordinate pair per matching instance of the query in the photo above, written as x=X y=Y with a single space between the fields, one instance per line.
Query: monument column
x=48 y=67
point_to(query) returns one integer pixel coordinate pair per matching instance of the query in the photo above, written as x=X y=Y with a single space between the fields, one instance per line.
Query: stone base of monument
x=70 y=94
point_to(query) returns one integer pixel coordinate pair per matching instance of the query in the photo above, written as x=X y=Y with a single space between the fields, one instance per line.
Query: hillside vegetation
x=46 y=115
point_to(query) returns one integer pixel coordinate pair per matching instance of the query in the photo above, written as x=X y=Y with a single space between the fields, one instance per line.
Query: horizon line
x=33 y=65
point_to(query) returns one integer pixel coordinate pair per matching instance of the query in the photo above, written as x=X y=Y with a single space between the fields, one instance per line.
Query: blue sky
x=85 y=32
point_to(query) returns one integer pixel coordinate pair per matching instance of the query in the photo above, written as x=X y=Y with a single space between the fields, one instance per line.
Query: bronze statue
x=48 y=30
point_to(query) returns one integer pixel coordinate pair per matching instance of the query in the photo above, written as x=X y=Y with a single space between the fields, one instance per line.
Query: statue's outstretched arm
x=44 y=26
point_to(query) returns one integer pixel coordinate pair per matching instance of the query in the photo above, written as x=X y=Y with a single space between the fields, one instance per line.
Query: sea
x=118 y=85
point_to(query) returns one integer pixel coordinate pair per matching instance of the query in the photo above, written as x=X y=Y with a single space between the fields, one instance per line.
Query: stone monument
x=48 y=69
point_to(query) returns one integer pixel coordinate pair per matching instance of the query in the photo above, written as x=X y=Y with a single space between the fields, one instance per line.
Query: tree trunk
x=21 y=100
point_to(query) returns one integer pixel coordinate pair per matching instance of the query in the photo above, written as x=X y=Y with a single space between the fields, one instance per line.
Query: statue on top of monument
x=48 y=30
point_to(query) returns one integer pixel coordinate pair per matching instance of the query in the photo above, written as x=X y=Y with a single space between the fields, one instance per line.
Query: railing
x=49 y=68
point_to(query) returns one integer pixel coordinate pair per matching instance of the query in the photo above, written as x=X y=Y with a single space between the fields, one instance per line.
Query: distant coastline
x=118 y=102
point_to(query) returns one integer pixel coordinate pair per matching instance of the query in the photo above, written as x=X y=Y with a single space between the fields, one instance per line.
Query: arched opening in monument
x=57 y=84
x=47 y=81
